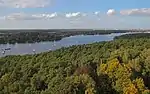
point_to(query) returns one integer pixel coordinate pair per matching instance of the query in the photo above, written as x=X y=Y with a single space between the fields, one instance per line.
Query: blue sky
x=102 y=5
x=127 y=13
x=84 y=6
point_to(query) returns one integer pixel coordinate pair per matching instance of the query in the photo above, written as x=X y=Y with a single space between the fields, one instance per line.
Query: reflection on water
x=27 y=48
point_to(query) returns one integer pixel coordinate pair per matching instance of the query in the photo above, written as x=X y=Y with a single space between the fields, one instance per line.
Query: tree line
x=133 y=36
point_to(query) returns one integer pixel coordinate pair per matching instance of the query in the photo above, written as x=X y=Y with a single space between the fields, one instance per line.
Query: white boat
x=3 y=52
x=33 y=51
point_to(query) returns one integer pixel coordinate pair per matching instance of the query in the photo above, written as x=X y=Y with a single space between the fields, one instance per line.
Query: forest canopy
x=121 y=66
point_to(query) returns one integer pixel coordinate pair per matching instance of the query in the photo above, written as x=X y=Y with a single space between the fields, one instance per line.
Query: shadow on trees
x=147 y=81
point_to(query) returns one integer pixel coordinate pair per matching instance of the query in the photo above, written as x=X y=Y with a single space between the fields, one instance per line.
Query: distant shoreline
x=33 y=36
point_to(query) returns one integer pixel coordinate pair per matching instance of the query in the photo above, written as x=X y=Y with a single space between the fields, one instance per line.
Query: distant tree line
x=133 y=36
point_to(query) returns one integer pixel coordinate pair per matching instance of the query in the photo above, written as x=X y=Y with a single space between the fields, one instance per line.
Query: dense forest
x=133 y=36
x=32 y=36
x=121 y=66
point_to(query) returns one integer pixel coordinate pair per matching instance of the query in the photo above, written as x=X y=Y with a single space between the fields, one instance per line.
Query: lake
x=27 y=48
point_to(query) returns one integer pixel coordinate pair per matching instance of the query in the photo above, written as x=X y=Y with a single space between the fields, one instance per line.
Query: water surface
x=27 y=48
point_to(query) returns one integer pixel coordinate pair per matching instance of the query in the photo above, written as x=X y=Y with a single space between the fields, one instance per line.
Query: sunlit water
x=27 y=48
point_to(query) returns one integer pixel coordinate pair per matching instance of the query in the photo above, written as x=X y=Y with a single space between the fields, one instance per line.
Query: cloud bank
x=112 y=19
x=23 y=16
x=136 y=12
x=46 y=16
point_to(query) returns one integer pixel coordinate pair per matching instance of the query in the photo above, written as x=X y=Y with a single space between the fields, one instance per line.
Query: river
x=27 y=48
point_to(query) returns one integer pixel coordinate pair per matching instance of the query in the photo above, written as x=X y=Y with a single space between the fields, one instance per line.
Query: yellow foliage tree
x=90 y=91
x=139 y=84
x=131 y=89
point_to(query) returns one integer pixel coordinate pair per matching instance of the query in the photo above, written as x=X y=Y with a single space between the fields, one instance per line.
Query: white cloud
x=23 y=16
x=75 y=14
x=44 y=16
x=24 y=3
x=97 y=12
x=16 y=16
x=20 y=16
x=138 y=12
x=53 y=15
x=111 y=12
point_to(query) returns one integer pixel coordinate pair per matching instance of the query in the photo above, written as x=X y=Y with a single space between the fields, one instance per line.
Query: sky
x=74 y=14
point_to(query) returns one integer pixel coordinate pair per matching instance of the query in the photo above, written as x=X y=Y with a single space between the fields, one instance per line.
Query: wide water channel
x=27 y=48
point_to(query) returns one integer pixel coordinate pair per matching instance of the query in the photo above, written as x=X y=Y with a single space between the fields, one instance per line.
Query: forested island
x=121 y=66
x=32 y=36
